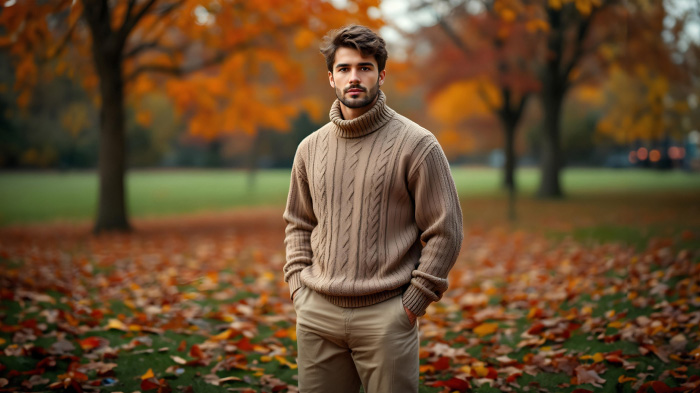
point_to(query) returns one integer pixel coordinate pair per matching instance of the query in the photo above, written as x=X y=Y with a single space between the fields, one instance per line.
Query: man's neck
x=353 y=113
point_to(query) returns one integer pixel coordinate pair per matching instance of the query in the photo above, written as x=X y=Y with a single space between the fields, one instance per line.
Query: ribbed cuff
x=415 y=300
x=294 y=283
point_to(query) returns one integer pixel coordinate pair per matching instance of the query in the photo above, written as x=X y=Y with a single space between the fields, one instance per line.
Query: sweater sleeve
x=301 y=221
x=439 y=218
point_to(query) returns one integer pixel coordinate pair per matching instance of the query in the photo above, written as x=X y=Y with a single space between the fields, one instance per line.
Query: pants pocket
x=405 y=321
x=297 y=297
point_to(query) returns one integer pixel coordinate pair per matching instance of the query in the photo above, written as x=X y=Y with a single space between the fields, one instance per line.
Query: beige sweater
x=372 y=212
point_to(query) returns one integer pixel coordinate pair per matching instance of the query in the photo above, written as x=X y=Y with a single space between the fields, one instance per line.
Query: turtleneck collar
x=366 y=124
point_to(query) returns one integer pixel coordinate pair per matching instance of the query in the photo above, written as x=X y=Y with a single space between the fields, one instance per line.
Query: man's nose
x=354 y=77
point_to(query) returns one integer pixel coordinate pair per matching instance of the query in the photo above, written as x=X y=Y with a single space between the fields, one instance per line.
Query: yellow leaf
x=598 y=357
x=584 y=7
x=615 y=324
x=148 y=374
x=508 y=15
x=116 y=324
x=303 y=39
x=225 y=335
x=555 y=4
x=485 y=329
x=285 y=362
x=480 y=370
x=624 y=378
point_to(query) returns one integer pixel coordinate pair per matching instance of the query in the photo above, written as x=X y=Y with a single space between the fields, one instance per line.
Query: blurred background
x=118 y=108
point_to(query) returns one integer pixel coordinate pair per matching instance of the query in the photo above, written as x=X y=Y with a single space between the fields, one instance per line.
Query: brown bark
x=553 y=89
x=107 y=50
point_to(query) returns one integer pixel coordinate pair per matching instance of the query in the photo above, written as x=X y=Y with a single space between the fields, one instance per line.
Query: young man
x=373 y=227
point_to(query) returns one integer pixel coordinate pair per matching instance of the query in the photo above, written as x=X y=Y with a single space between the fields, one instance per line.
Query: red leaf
x=442 y=364
x=457 y=384
x=90 y=343
x=182 y=346
x=164 y=387
x=536 y=328
x=244 y=344
x=660 y=387
x=493 y=374
x=196 y=352
x=150 y=384
x=512 y=377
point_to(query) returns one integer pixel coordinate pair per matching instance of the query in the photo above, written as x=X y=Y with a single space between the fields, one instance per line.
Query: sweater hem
x=362 y=301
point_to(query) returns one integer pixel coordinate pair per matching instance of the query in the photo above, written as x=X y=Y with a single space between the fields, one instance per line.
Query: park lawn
x=578 y=274
x=49 y=196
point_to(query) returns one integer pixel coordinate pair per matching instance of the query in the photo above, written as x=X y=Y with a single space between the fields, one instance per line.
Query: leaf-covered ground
x=583 y=295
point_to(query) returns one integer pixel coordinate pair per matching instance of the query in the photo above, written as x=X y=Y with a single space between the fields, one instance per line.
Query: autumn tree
x=586 y=39
x=228 y=66
x=653 y=81
x=495 y=73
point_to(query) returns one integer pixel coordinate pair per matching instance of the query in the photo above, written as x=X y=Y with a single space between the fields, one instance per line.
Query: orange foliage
x=227 y=66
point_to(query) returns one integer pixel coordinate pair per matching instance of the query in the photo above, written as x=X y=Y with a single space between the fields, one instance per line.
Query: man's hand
x=411 y=316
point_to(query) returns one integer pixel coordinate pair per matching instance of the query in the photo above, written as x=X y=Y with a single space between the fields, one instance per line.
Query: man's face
x=355 y=78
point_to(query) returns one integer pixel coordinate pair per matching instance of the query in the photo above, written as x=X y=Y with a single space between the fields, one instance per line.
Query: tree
x=497 y=71
x=573 y=48
x=653 y=79
x=227 y=65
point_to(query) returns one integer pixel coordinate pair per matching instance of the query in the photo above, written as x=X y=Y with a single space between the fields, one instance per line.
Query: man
x=373 y=227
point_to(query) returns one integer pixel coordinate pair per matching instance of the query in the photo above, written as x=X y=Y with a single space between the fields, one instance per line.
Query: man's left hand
x=411 y=316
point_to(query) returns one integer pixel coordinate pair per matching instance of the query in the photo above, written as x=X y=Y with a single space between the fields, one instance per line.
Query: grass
x=48 y=196
x=602 y=206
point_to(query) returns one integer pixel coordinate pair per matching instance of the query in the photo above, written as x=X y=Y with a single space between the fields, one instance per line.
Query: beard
x=355 y=103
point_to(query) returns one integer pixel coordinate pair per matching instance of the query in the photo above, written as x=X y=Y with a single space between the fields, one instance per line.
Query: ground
x=596 y=292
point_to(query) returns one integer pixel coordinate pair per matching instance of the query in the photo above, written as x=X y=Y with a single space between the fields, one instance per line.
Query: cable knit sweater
x=372 y=212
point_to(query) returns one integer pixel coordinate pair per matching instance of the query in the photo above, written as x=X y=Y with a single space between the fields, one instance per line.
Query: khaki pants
x=341 y=348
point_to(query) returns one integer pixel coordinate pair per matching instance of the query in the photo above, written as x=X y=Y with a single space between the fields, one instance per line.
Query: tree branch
x=453 y=36
x=130 y=20
x=64 y=42
x=151 y=45
x=129 y=8
x=174 y=70
x=578 y=51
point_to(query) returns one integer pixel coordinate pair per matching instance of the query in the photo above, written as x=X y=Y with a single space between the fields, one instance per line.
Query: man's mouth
x=355 y=90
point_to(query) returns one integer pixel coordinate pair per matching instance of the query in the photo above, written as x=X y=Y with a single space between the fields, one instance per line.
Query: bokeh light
x=642 y=153
x=632 y=157
x=654 y=155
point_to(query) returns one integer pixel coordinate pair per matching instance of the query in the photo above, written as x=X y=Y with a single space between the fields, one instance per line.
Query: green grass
x=48 y=196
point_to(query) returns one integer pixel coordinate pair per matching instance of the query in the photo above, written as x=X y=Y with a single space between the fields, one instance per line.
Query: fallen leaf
x=486 y=329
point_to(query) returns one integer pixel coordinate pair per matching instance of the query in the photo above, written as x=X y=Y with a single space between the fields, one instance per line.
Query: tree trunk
x=111 y=213
x=107 y=50
x=509 y=122
x=553 y=89
x=509 y=168
x=550 y=159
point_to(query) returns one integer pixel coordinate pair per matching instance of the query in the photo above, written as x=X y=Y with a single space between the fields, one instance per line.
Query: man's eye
x=366 y=69
x=342 y=69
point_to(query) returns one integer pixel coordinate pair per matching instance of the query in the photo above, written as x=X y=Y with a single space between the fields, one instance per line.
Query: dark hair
x=356 y=37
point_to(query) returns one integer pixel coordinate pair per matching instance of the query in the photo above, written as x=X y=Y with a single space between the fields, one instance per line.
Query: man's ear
x=331 y=80
x=382 y=75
